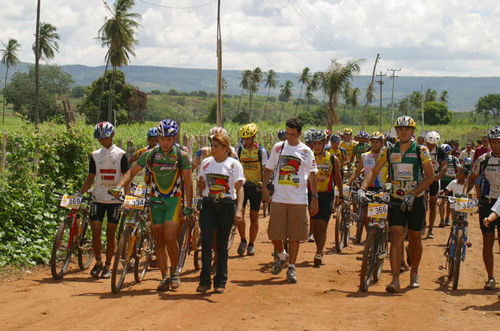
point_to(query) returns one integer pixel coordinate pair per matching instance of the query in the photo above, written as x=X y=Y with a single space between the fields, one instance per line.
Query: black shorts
x=112 y=211
x=325 y=203
x=254 y=194
x=485 y=211
x=444 y=184
x=415 y=219
x=434 y=188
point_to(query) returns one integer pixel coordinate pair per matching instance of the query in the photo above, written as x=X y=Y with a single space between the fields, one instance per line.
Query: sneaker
x=414 y=282
x=242 y=247
x=202 y=288
x=105 y=272
x=393 y=287
x=154 y=263
x=278 y=264
x=430 y=235
x=251 y=250
x=490 y=284
x=96 y=270
x=318 y=259
x=311 y=238
x=290 y=275
x=164 y=284
x=447 y=222
x=219 y=290
x=441 y=224
x=175 y=279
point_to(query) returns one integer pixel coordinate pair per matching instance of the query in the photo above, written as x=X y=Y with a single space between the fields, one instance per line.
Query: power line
x=176 y=7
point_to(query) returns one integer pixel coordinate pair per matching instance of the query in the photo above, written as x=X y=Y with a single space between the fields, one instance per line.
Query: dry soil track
x=324 y=299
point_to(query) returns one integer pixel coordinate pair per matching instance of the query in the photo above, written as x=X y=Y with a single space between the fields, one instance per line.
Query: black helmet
x=281 y=134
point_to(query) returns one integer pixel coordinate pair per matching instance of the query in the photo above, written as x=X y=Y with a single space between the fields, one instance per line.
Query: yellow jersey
x=251 y=165
x=349 y=147
x=325 y=173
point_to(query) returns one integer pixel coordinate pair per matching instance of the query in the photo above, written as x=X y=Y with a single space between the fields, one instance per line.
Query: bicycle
x=377 y=239
x=190 y=238
x=344 y=218
x=71 y=236
x=136 y=244
x=457 y=243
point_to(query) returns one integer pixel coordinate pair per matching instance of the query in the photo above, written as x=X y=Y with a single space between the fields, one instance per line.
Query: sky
x=422 y=37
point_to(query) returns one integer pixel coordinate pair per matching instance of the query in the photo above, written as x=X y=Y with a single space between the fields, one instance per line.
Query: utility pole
x=37 y=67
x=422 y=97
x=369 y=92
x=380 y=82
x=219 y=69
x=393 y=77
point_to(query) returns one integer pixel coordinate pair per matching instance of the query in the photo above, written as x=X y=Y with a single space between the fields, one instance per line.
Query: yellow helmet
x=377 y=135
x=248 y=130
x=348 y=131
x=405 y=121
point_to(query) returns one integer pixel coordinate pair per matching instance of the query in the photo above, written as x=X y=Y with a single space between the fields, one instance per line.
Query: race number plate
x=134 y=202
x=140 y=191
x=377 y=210
x=71 y=201
x=464 y=205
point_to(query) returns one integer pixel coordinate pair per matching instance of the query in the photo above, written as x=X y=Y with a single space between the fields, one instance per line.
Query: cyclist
x=488 y=167
x=439 y=164
x=107 y=166
x=253 y=158
x=449 y=176
x=328 y=176
x=328 y=144
x=170 y=168
x=348 y=144
x=405 y=161
x=362 y=145
x=205 y=152
x=366 y=164
x=152 y=142
x=339 y=151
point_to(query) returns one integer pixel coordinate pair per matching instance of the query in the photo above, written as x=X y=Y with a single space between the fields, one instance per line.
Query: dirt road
x=323 y=299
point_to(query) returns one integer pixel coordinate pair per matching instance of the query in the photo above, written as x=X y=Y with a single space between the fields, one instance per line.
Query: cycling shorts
x=253 y=193
x=170 y=210
x=325 y=203
x=415 y=219
x=434 y=188
x=485 y=211
x=112 y=211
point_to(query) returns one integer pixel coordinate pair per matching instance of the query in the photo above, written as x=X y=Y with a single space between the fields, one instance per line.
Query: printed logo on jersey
x=288 y=170
x=217 y=185
x=396 y=157
x=206 y=166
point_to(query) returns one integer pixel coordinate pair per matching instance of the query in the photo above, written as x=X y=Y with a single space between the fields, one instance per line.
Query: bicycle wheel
x=196 y=246
x=459 y=249
x=85 y=250
x=347 y=231
x=339 y=241
x=369 y=256
x=450 y=260
x=231 y=237
x=381 y=254
x=184 y=245
x=123 y=259
x=144 y=249
x=61 y=252
x=359 y=231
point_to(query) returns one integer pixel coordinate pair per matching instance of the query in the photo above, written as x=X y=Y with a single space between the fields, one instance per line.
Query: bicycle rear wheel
x=123 y=259
x=339 y=240
x=144 y=249
x=231 y=237
x=459 y=247
x=369 y=256
x=184 y=245
x=196 y=246
x=346 y=232
x=61 y=252
x=85 y=250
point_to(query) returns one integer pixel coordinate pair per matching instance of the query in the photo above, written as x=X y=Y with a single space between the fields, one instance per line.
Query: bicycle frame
x=459 y=222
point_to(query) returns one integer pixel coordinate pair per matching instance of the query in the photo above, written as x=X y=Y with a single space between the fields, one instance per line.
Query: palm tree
x=304 y=78
x=118 y=36
x=9 y=59
x=347 y=94
x=313 y=86
x=334 y=82
x=285 y=94
x=244 y=83
x=444 y=97
x=253 y=87
x=353 y=101
x=271 y=83
x=47 y=43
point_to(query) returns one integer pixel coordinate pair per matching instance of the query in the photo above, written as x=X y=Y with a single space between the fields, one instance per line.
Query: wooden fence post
x=130 y=148
x=4 y=151
x=120 y=143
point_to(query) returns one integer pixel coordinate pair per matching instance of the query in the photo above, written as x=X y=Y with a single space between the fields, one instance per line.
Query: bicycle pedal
x=382 y=256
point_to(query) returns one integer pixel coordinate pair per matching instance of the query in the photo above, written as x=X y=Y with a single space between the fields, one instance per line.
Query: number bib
x=377 y=210
x=70 y=201
x=134 y=202
x=140 y=191
x=464 y=205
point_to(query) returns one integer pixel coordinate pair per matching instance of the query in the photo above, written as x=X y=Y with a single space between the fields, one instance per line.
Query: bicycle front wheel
x=459 y=249
x=85 y=250
x=369 y=256
x=61 y=250
x=145 y=250
x=231 y=237
x=196 y=246
x=123 y=260
x=184 y=245
x=339 y=240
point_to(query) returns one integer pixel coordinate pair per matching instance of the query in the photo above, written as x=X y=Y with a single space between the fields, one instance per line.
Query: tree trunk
x=297 y=105
x=265 y=105
x=4 y=90
x=102 y=90
x=37 y=67
x=369 y=92
x=329 y=118
x=239 y=102
x=250 y=95
x=110 y=97
x=281 y=110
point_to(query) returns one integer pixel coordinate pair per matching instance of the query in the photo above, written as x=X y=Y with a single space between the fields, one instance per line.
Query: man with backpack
x=410 y=173
x=253 y=158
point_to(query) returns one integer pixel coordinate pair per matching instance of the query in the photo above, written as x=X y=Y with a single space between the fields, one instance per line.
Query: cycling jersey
x=326 y=164
x=369 y=160
x=488 y=166
x=166 y=170
x=349 y=147
x=360 y=149
x=340 y=153
x=451 y=170
x=404 y=170
x=108 y=165
x=138 y=153
x=252 y=163
x=437 y=155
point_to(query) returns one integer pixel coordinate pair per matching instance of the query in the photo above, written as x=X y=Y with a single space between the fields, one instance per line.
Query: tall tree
x=285 y=94
x=489 y=105
x=353 y=100
x=118 y=36
x=37 y=66
x=334 y=82
x=313 y=85
x=347 y=92
x=443 y=97
x=253 y=87
x=430 y=95
x=244 y=83
x=9 y=59
x=270 y=83
x=304 y=78
x=47 y=43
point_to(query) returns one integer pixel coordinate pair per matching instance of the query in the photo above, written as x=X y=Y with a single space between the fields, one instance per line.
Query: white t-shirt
x=455 y=188
x=293 y=167
x=465 y=154
x=491 y=176
x=220 y=177
x=496 y=207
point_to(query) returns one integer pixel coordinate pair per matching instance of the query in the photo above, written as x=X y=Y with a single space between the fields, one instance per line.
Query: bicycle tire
x=346 y=236
x=379 y=261
x=196 y=244
x=184 y=245
x=459 y=246
x=369 y=256
x=144 y=251
x=232 y=235
x=122 y=261
x=85 y=249
x=59 y=263
x=450 y=261
x=339 y=242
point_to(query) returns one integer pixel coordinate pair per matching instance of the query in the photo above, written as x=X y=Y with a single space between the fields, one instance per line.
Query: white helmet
x=432 y=137
x=217 y=129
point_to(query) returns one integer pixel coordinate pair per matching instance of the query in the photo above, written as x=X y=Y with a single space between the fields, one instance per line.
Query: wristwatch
x=315 y=196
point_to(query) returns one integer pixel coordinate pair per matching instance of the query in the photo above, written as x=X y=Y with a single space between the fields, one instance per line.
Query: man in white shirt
x=291 y=165
x=468 y=152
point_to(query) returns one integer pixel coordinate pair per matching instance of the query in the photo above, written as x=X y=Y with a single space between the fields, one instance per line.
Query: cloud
x=447 y=37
